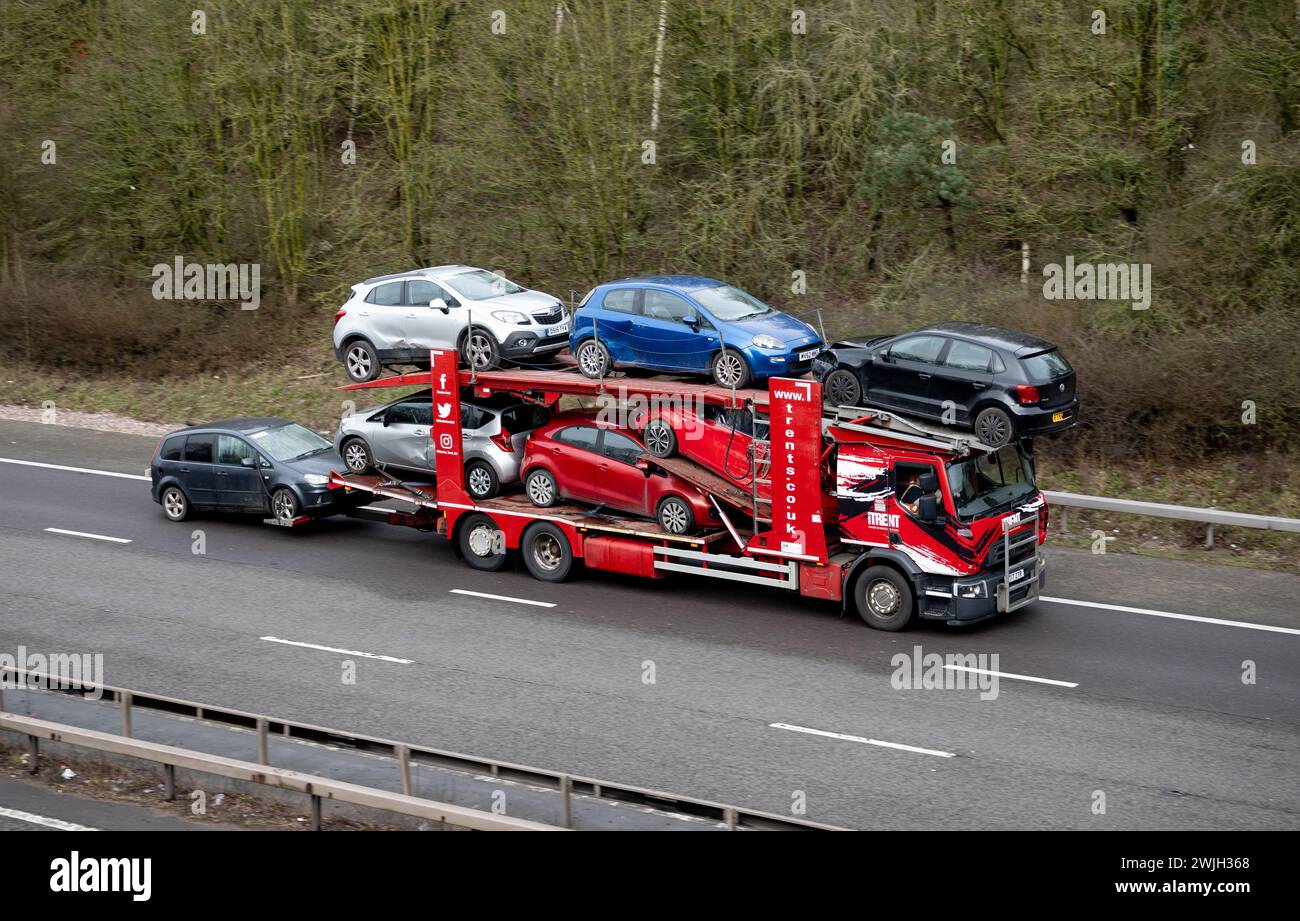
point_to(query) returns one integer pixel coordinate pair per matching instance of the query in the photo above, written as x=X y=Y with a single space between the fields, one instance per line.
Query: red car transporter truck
x=868 y=508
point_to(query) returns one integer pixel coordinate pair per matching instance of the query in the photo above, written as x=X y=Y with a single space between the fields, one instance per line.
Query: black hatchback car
x=259 y=465
x=999 y=383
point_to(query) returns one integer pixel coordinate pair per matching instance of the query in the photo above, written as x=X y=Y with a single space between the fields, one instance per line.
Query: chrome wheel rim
x=356 y=457
x=673 y=517
x=479 y=350
x=727 y=370
x=883 y=598
x=547 y=552
x=658 y=438
x=844 y=390
x=283 y=506
x=540 y=489
x=591 y=361
x=479 y=481
x=481 y=540
x=358 y=362
x=174 y=504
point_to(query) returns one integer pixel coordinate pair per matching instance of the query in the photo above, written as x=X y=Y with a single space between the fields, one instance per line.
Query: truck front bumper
x=971 y=599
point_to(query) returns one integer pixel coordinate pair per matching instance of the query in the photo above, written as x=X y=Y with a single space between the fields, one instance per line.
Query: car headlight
x=316 y=479
x=767 y=342
x=510 y=316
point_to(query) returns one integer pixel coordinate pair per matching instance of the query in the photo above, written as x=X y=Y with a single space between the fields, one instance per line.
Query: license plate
x=556 y=330
x=1060 y=417
x=1016 y=576
x=808 y=355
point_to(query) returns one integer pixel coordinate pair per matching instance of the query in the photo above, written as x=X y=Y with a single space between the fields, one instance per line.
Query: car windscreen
x=480 y=285
x=983 y=482
x=728 y=303
x=1045 y=366
x=289 y=442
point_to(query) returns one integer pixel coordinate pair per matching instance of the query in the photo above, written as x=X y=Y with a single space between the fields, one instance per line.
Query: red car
x=576 y=456
x=717 y=438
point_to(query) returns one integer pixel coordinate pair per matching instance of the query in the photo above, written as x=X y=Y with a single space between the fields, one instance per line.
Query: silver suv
x=396 y=319
x=397 y=435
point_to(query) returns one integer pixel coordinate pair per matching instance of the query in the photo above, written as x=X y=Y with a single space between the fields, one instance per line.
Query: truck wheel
x=883 y=598
x=482 y=543
x=593 y=359
x=675 y=515
x=356 y=455
x=541 y=488
x=730 y=369
x=993 y=427
x=481 y=480
x=842 y=388
x=547 y=553
x=361 y=361
x=175 y=506
x=659 y=438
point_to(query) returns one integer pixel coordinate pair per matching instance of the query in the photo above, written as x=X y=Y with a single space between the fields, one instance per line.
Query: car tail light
x=1026 y=394
x=502 y=441
x=343 y=311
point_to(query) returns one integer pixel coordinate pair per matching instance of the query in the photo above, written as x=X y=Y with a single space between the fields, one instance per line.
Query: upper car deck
x=425 y=495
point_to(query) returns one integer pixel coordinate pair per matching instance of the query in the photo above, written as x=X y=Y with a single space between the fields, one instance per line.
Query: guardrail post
x=729 y=816
x=1065 y=519
x=169 y=782
x=33 y=754
x=1209 y=537
x=126 y=713
x=566 y=800
x=404 y=765
x=315 y=813
x=261 y=740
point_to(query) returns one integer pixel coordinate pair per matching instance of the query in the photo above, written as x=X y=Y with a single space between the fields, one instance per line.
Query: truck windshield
x=289 y=442
x=985 y=482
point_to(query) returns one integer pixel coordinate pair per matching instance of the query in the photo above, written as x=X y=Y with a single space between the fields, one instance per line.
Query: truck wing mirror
x=927 y=508
x=928 y=482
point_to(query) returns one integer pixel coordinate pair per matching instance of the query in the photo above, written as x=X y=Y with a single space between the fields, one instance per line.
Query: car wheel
x=593 y=359
x=356 y=455
x=547 y=553
x=479 y=350
x=660 y=439
x=284 y=504
x=993 y=427
x=361 y=361
x=842 y=388
x=730 y=369
x=541 y=488
x=675 y=515
x=175 y=506
x=481 y=480
x=482 y=543
x=883 y=598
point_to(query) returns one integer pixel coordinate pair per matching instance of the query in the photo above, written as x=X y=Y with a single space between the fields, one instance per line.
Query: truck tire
x=481 y=543
x=884 y=598
x=659 y=438
x=546 y=552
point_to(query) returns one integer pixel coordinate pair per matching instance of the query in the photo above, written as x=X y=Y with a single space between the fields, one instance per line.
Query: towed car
x=692 y=324
x=576 y=456
x=256 y=465
x=1000 y=383
x=397 y=435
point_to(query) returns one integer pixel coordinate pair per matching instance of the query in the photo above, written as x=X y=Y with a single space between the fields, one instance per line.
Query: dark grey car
x=259 y=465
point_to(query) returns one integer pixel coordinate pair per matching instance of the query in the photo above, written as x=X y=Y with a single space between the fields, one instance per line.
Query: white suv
x=396 y=319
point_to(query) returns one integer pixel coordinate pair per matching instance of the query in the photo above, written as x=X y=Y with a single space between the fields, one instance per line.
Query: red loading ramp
x=711 y=483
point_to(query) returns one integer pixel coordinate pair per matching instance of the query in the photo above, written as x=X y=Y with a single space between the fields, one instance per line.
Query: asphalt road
x=1158 y=719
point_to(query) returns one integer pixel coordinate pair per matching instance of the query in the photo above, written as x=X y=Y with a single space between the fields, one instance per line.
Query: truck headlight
x=316 y=479
x=510 y=316
x=767 y=342
x=973 y=590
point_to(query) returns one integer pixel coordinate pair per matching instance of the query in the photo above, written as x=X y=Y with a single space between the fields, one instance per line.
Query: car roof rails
x=870 y=421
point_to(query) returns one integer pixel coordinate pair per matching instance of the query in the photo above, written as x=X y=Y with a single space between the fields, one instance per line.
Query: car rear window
x=172 y=448
x=622 y=300
x=386 y=295
x=967 y=356
x=199 y=448
x=1045 y=366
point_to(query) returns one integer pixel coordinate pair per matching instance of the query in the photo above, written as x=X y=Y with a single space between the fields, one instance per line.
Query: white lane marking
x=1204 y=620
x=345 y=652
x=847 y=738
x=26 y=463
x=540 y=604
x=985 y=671
x=43 y=820
x=116 y=540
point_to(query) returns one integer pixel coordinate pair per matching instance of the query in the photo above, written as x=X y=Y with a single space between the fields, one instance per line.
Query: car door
x=239 y=488
x=662 y=338
x=902 y=377
x=406 y=436
x=619 y=481
x=964 y=376
x=618 y=311
x=573 y=460
x=427 y=327
x=198 y=472
x=386 y=318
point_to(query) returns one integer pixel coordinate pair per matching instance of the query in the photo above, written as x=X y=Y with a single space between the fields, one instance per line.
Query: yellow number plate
x=1060 y=417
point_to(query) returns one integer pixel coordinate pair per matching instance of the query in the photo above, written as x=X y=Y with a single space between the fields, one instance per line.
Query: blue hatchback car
x=688 y=323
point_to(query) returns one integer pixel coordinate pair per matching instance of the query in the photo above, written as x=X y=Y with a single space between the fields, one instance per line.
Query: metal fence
x=1207 y=516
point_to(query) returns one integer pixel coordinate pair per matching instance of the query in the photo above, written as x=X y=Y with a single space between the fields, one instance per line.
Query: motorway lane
x=1160 y=705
